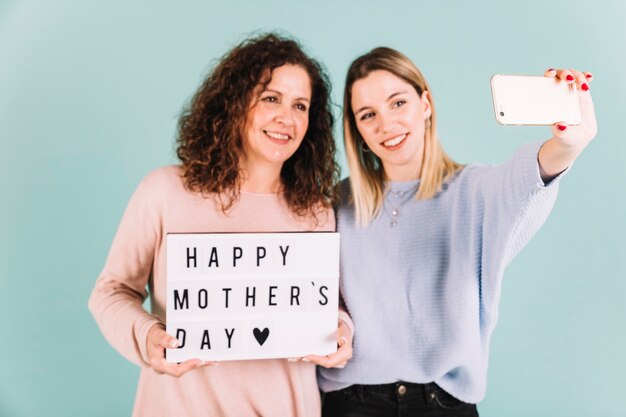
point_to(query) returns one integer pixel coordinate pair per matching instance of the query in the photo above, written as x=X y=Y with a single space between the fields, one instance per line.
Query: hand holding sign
x=343 y=354
x=158 y=340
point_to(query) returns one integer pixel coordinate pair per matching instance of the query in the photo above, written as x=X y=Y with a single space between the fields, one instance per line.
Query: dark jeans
x=401 y=399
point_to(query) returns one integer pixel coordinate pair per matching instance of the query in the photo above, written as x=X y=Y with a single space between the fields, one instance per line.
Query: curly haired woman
x=257 y=154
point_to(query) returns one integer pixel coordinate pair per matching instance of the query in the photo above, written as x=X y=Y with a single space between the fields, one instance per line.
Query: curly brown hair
x=211 y=127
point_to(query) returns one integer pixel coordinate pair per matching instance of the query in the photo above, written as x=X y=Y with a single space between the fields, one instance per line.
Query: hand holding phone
x=534 y=100
x=561 y=98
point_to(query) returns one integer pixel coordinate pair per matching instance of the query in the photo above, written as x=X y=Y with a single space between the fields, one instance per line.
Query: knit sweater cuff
x=534 y=170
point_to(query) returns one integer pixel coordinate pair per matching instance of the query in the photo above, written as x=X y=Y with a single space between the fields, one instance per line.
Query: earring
x=364 y=147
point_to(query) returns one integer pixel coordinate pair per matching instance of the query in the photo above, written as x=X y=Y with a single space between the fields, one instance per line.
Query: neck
x=408 y=171
x=261 y=178
x=403 y=173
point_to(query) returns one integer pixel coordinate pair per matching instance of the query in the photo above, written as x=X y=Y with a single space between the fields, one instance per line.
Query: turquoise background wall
x=90 y=92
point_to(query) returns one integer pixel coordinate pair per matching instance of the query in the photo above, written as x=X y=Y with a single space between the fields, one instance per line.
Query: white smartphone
x=532 y=100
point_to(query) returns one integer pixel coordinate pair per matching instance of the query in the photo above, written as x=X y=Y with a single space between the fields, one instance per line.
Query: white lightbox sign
x=233 y=296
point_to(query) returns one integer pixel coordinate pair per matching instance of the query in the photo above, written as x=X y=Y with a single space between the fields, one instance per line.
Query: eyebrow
x=397 y=93
x=280 y=94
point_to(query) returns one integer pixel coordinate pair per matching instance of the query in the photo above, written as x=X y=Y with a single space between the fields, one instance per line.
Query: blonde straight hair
x=367 y=175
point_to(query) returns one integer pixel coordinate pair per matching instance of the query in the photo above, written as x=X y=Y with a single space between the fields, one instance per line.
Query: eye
x=399 y=103
x=368 y=115
x=270 y=99
x=301 y=107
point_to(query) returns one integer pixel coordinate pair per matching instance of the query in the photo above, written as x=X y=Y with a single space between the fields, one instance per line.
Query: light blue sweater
x=424 y=293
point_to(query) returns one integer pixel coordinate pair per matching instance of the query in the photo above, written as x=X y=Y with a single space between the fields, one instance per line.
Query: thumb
x=560 y=130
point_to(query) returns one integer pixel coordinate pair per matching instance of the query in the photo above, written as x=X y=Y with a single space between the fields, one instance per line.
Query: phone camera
x=501 y=113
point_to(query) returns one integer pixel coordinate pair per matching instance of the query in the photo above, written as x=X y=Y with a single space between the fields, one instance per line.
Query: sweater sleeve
x=510 y=202
x=116 y=301
x=516 y=203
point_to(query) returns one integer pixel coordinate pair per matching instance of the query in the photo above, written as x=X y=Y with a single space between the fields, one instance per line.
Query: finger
x=560 y=129
x=550 y=73
x=175 y=369
x=325 y=361
x=566 y=75
x=343 y=334
x=207 y=363
x=318 y=360
x=588 y=76
x=587 y=108
x=581 y=80
x=167 y=341
x=334 y=360
x=343 y=355
x=179 y=369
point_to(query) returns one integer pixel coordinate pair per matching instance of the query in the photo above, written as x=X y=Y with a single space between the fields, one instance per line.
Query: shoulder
x=470 y=172
x=160 y=185
x=164 y=175
x=167 y=178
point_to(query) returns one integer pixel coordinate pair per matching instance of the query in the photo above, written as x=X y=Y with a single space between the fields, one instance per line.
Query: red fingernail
x=561 y=127
x=585 y=87
x=589 y=76
x=570 y=78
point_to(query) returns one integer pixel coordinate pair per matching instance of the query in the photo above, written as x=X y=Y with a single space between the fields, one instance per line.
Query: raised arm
x=567 y=142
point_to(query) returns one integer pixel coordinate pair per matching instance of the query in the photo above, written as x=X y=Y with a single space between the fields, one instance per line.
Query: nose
x=385 y=122
x=284 y=115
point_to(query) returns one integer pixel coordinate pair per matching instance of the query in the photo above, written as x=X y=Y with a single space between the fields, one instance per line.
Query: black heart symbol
x=261 y=336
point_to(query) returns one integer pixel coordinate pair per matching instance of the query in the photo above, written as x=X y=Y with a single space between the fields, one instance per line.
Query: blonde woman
x=425 y=241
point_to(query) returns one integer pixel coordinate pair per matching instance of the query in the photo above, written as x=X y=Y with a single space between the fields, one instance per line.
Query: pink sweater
x=161 y=205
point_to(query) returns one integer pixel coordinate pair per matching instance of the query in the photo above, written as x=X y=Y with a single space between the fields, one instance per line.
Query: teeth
x=394 y=141
x=279 y=136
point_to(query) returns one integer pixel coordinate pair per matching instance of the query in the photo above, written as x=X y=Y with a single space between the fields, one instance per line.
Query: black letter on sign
x=253 y=296
x=284 y=254
x=272 y=295
x=190 y=257
x=226 y=290
x=181 y=340
x=179 y=302
x=203 y=297
x=205 y=340
x=322 y=288
x=237 y=254
x=229 y=336
x=295 y=293
x=260 y=254
x=214 y=258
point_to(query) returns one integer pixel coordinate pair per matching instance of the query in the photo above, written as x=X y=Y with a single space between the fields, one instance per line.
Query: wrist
x=565 y=148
